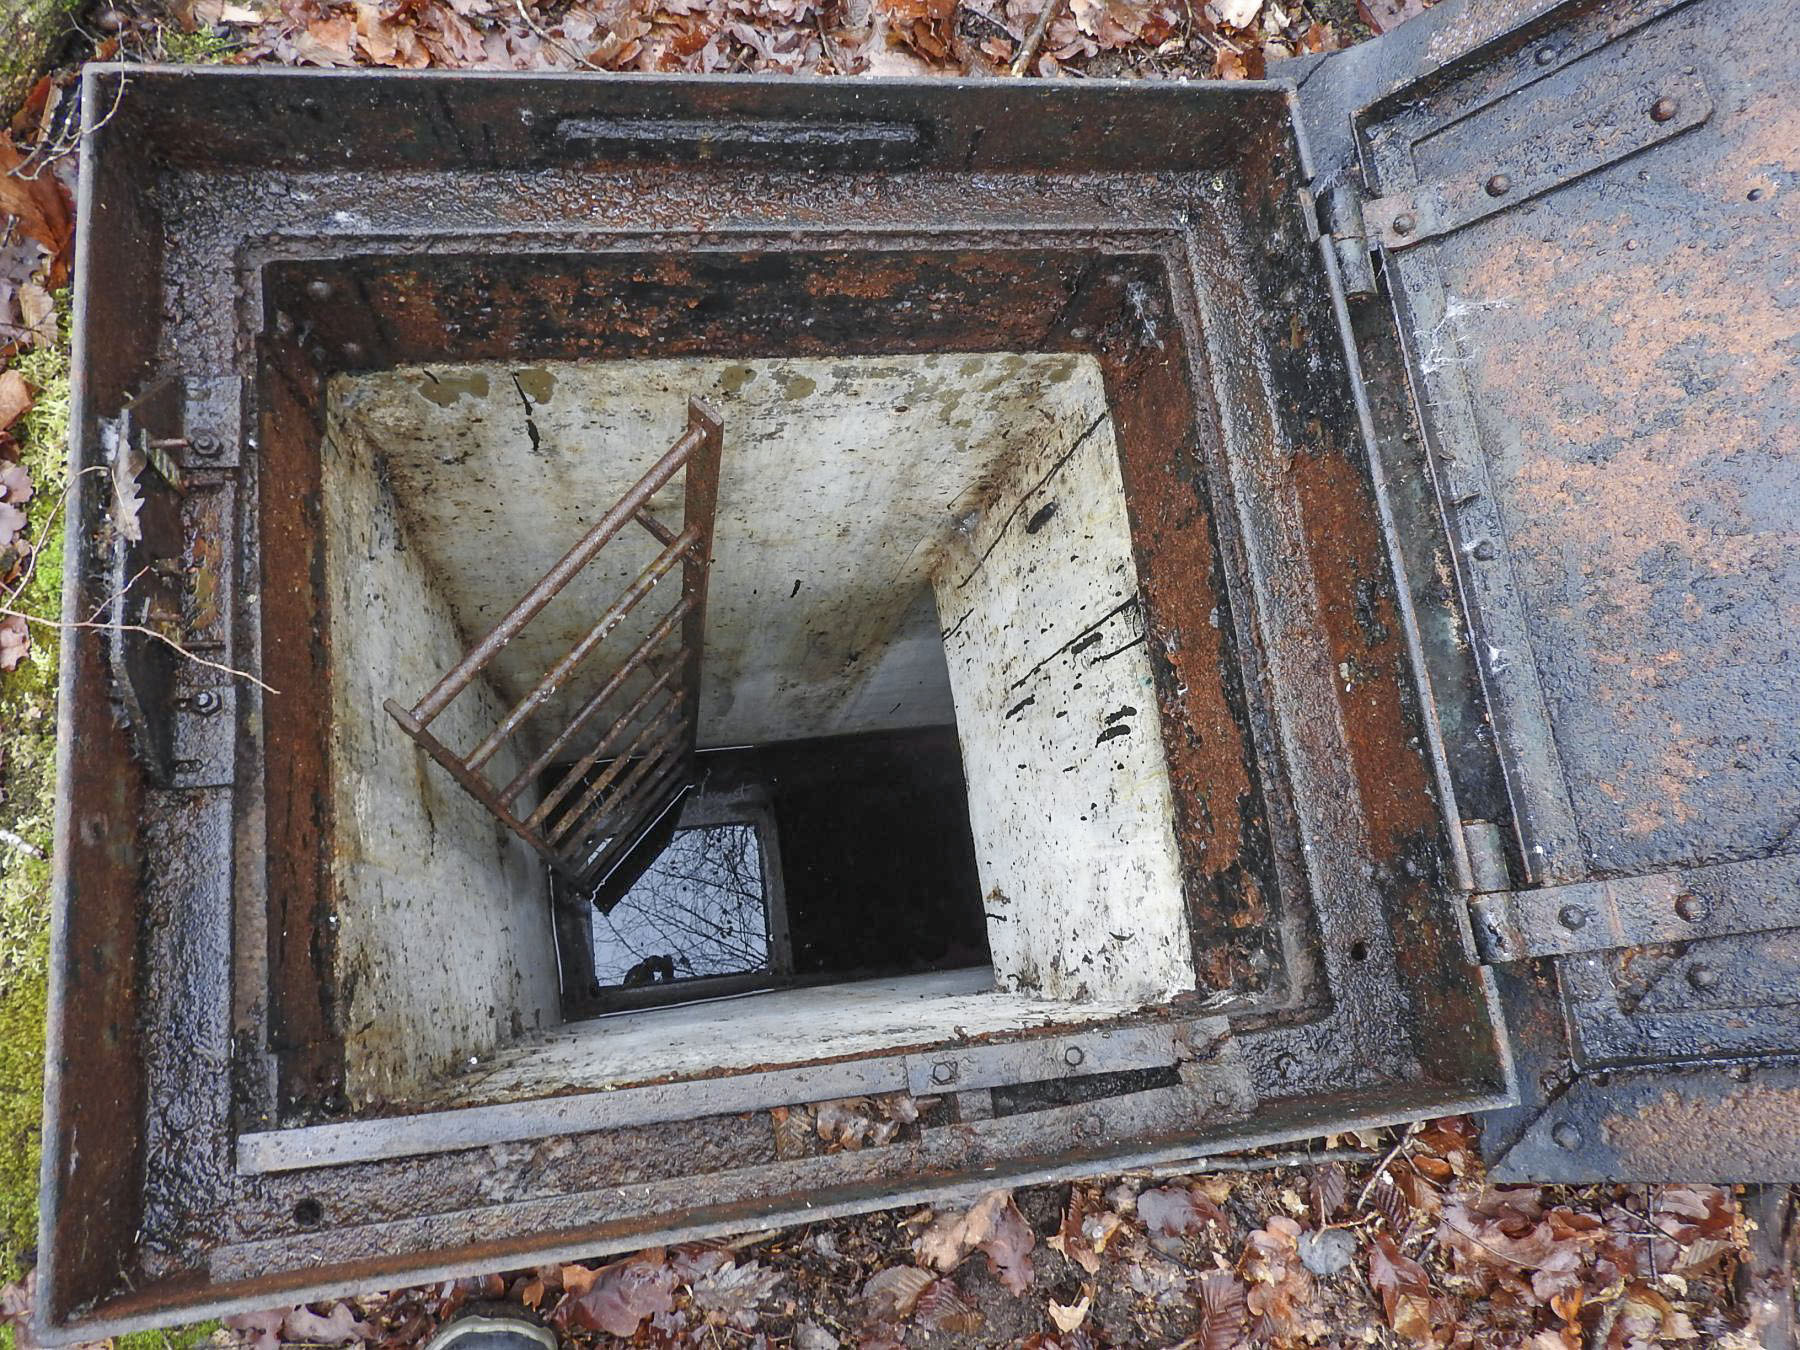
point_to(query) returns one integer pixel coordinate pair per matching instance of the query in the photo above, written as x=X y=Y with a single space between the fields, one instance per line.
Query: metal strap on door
x=584 y=824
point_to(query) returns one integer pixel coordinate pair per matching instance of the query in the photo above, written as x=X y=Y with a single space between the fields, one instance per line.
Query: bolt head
x=1664 y=109
x=1073 y=1056
x=1566 y=1136
x=353 y=352
x=1405 y=223
x=1703 y=977
x=1221 y=1097
x=1738 y=1073
x=1498 y=186
x=318 y=289
x=1692 y=908
x=206 y=702
x=206 y=445
x=943 y=1072
x=1092 y=1126
x=1572 y=917
x=1545 y=55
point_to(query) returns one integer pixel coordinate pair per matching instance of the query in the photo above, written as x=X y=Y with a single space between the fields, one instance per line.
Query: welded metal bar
x=658 y=531
x=615 y=614
x=654 y=740
x=602 y=748
x=552 y=582
x=701 y=505
x=473 y=783
x=639 y=655
x=672 y=728
x=662 y=791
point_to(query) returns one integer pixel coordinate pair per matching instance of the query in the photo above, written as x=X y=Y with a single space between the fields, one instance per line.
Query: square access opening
x=924 y=695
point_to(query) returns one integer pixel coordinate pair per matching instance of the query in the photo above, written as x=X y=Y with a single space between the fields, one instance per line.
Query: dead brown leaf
x=1328 y=1188
x=1383 y=16
x=942 y=1307
x=1224 y=1317
x=1281 y=1288
x=15 y=641
x=922 y=25
x=894 y=1292
x=33 y=195
x=1180 y=1211
x=1069 y=1316
x=995 y=1227
x=1404 y=1288
x=618 y=1297
x=15 y=398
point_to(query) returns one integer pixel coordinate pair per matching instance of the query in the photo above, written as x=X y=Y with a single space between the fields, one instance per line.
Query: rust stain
x=1676 y=1126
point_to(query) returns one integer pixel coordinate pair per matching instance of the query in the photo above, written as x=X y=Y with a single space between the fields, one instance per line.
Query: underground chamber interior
x=927 y=797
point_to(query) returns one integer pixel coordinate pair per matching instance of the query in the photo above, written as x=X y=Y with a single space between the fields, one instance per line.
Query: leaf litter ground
x=1398 y=1241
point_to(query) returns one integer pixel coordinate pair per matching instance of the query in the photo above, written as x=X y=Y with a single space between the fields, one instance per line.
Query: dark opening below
x=867 y=868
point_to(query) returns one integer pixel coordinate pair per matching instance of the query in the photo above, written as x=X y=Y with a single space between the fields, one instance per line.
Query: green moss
x=198 y=49
x=177 y=1338
x=27 y=770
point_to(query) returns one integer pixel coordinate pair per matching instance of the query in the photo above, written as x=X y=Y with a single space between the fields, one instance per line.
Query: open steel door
x=1587 y=230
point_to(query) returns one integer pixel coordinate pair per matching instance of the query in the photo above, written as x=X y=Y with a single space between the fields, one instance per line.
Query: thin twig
x=532 y=25
x=62 y=141
x=119 y=594
x=37 y=545
x=1381 y=1167
x=1201 y=1166
x=21 y=843
x=62 y=626
x=1035 y=38
x=7 y=610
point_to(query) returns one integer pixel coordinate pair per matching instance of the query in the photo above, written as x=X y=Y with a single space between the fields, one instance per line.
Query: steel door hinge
x=1681 y=905
x=1341 y=218
x=1586 y=115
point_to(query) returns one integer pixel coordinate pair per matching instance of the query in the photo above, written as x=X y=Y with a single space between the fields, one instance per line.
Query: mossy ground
x=27 y=786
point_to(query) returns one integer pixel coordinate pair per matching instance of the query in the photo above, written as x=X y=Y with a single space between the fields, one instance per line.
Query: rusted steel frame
x=605 y=746
x=473 y=783
x=552 y=582
x=662 y=790
x=639 y=655
x=700 y=506
x=653 y=741
x=615 y=614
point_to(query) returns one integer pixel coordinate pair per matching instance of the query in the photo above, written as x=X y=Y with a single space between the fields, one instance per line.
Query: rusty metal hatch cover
x=1452 y=418
x=1588 y=232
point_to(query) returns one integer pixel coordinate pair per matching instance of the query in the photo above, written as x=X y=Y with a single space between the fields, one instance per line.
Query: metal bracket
x=205 y=738
x=1585 y=116
x=1677 y=906
x=212 y=422
x=172 y=448
x=1041 y=1059
x=1342 y=213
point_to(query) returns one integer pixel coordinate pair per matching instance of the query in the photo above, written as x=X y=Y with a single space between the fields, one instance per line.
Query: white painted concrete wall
x=444 y=946
x=1069 y=794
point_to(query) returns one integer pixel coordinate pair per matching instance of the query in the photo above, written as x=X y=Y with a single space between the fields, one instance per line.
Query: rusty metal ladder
x=585 y=826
